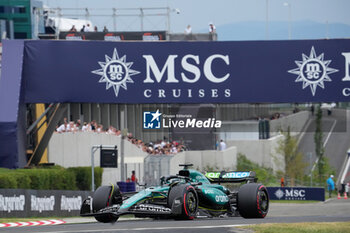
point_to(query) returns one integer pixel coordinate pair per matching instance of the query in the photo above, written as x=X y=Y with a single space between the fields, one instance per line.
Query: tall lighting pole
x=289 y=19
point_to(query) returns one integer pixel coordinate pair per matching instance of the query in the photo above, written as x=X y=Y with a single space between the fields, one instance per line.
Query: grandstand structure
x=126 y=115
x=41 y=22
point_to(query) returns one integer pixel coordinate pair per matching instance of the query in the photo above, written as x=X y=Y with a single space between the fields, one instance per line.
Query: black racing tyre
x=253 y=201
x=187 y=197
x=103 y=197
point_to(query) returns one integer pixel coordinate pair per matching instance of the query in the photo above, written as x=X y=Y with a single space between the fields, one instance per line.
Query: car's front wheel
x=253 y=201
x=103 y=197
x=183 y=200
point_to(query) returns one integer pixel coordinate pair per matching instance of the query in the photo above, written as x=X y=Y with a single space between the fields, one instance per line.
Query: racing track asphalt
x=331 y=211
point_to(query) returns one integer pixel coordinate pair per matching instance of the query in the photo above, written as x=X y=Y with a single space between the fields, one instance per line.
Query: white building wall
x=74 y=150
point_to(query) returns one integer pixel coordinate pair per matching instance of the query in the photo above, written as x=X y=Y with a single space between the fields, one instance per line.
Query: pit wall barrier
x=23 y=203
x=296 y=193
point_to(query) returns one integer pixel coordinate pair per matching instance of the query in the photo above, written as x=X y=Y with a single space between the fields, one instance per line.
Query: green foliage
x=23 y=181
x=83 y=177
x=319 y=144
x=49 y=178
x=320 y=180
x=319 y=134
x=265 y=175
x=293 y=160
x=7 y=181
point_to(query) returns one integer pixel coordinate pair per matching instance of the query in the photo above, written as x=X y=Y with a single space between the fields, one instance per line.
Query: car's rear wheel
x=103 y=197
x=253 y=201
x=184 y=199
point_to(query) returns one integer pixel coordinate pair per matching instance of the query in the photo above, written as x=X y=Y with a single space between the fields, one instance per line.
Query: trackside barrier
x=40 y=203
x=296 y=193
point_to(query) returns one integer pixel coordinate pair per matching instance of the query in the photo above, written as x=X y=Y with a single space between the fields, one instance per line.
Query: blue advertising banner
x=187 y=72
x=296 y=193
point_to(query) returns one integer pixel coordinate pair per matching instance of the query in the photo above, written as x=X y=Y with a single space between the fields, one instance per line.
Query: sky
x=198 y=13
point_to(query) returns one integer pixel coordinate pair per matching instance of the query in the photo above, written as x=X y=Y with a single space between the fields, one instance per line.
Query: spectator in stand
x=73 y=29
x=82 y=29
x=212 y=28
x=86 y=127
x=105 y=29
x=188 y=30
x=78 y=124
x=111 y=130
x=72 y=127
x=62 y=128
x=95 y=29
x=118 y=132
x=173 y=149
x=93 y=125
x=88 y=28
x=99 y=128
x=222 y=145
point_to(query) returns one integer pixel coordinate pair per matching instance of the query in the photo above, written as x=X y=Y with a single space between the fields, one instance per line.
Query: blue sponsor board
x=40 y=71
x=185 y=72
x=296 y=193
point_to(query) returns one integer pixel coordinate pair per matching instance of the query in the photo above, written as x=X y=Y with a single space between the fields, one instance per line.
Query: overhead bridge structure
x=163 y=72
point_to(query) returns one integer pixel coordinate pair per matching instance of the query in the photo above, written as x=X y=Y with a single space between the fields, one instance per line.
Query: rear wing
x=231 y=177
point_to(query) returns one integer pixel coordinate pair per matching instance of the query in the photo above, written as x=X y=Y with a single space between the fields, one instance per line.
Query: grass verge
x=306 y=227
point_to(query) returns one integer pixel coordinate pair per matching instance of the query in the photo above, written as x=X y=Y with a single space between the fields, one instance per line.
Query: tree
x=293 y=159
x=319 y=149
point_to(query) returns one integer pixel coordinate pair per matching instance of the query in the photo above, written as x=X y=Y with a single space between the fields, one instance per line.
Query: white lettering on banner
x=147 y=93
x=161 y=93
x=214 y=93
x=178 y=93
x=227 y=93
x=190 y=68
x=347 y=64
x=169 y=66
x=14 y=203
x=188 y=93
x=42 y=203
x=70 y=203
x=346 y=91
x=295 y=193
x=208 y=71
x=201 y=93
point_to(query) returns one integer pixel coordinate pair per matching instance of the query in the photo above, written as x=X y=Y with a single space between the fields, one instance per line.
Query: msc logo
x=313 y=71
x=152 y=120
x=115 y=72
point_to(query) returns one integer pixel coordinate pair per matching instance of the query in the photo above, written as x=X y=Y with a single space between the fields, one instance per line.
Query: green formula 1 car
x=184 y=196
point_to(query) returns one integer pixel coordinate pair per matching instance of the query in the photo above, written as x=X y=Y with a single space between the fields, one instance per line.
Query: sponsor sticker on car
x=216 y=175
